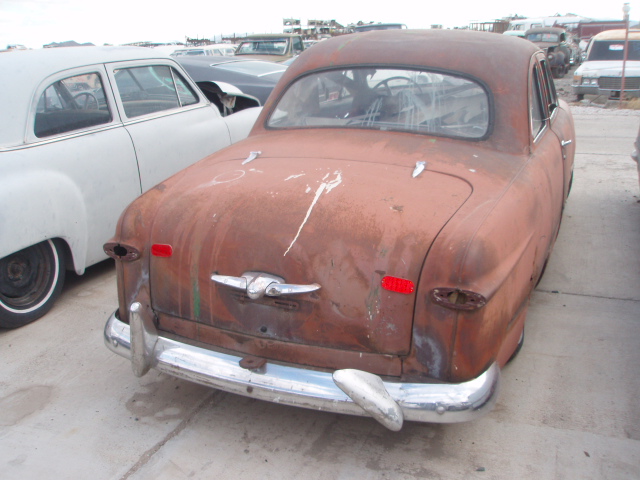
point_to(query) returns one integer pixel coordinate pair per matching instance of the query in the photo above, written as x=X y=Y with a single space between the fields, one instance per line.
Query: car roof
x=21 y=72
x=545 y=30
x=265 y=36
x=501 y=62
x=617 y=35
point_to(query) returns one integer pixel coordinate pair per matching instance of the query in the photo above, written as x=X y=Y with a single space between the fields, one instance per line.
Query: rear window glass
x=386 y=99
x=74 y=103
x=263 y=47
x=614 y=50
x=544 y=37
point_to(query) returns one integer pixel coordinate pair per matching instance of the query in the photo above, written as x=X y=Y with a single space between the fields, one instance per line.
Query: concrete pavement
x=70 y=409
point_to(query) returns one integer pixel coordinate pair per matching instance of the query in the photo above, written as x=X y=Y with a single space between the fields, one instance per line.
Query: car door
x=171 y=123
x=545 y=172
x=77 y=170
x=561 y=123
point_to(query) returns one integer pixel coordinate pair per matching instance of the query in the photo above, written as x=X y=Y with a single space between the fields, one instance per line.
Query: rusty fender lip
x=298 y=386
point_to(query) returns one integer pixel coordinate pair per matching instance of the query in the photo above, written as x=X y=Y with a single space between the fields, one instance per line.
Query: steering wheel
x=90 y=101
x=386 y=81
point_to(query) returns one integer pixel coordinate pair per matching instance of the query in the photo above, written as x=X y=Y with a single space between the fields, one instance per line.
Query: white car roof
x=21 y=72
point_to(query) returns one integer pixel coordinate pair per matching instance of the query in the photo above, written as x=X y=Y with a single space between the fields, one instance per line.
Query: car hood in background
x=608 y=68
x=253 y=77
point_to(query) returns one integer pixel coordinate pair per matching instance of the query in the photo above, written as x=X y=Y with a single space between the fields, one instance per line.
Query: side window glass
x=74 y=103
x=550 y=88
x=536 y=110
x=297 y=46
x=186 y=95
x=151 y=89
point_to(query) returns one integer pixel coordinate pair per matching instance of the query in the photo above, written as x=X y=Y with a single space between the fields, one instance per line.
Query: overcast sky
x=34 y=23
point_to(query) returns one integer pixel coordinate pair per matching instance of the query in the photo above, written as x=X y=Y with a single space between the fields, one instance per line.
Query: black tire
x=579 y=97
x=30 y=282
x=518 y=347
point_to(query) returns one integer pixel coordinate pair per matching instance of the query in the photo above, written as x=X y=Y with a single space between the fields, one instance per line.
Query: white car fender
x=241 y=123
x=57 y=211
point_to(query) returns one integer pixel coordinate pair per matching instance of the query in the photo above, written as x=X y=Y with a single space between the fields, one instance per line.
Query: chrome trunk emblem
x=259 y=284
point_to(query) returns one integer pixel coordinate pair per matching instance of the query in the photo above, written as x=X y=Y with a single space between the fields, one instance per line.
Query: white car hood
x=608 y=68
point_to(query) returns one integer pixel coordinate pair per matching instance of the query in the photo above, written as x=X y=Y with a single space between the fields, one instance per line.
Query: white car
x=83 y=132
x=221 y=49
x=601 y=72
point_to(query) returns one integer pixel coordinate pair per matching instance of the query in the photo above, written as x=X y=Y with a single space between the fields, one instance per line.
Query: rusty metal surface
x=341 y=209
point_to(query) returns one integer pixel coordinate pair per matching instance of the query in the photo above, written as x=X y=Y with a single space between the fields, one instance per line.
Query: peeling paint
x=225 y=177
x=313 y=203
x=328 y=186
x=294 y=176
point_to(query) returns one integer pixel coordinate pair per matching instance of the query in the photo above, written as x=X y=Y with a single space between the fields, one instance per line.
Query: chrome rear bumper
x=347 y=391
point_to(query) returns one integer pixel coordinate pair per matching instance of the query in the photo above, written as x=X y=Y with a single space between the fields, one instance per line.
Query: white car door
x=171 y=123
x=76 y=172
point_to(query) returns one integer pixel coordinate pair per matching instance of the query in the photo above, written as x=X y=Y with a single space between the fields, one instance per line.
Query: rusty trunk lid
x=341 y=224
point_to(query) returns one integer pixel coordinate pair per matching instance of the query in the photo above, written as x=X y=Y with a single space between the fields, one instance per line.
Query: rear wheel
x=30 y=282
x=518 y=347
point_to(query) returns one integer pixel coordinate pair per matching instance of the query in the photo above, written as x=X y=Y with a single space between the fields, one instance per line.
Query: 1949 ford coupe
x=371 y=247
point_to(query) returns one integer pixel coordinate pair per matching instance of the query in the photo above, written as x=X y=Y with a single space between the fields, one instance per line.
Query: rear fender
x=56 y=211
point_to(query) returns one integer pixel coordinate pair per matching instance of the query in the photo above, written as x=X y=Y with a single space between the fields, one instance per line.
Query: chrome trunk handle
x=258 y=284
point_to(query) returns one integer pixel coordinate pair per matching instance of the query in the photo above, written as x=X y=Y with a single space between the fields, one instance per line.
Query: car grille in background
x=615 y=83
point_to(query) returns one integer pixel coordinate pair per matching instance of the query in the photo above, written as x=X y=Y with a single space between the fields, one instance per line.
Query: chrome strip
x=297 y=386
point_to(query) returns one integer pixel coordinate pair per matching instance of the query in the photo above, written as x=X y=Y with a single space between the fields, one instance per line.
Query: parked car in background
x=601 y=72
x=273 y=47
x=370 y=27
x=553 y=41
x=372 y=246
x=254 y=78
x=576 y=51
x=219 y=49
x=83 y=132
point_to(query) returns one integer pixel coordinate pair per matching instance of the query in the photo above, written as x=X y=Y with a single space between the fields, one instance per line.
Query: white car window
x=151 y=89
x=74 y=103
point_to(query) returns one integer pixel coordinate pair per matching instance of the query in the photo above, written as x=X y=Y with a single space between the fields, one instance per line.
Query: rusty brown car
x=371 y=247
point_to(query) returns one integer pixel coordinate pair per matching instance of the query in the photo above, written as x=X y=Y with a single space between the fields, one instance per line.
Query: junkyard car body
x=253 y=77
x=553 y=41
x=83 y=132
x=271 y=47
x=601 y=72
x=371 y=247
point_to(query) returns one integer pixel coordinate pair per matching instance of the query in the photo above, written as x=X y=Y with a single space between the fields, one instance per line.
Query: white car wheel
x=30 y=282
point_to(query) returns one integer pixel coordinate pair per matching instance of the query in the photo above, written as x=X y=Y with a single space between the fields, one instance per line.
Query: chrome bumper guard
x=349 y=391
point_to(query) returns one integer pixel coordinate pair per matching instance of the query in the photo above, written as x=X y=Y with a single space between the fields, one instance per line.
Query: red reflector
x=399 y=285
x=160 y=250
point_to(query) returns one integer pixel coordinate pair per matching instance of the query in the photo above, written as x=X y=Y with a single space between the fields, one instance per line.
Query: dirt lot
x=563 y=87
x=568 y=408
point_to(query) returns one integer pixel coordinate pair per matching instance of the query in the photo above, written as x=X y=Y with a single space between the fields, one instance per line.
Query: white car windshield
x=386 y=99
x=614 y=50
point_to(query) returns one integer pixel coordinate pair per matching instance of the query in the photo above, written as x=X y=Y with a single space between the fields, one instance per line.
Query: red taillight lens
x=160 y=250
x=400 y=285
